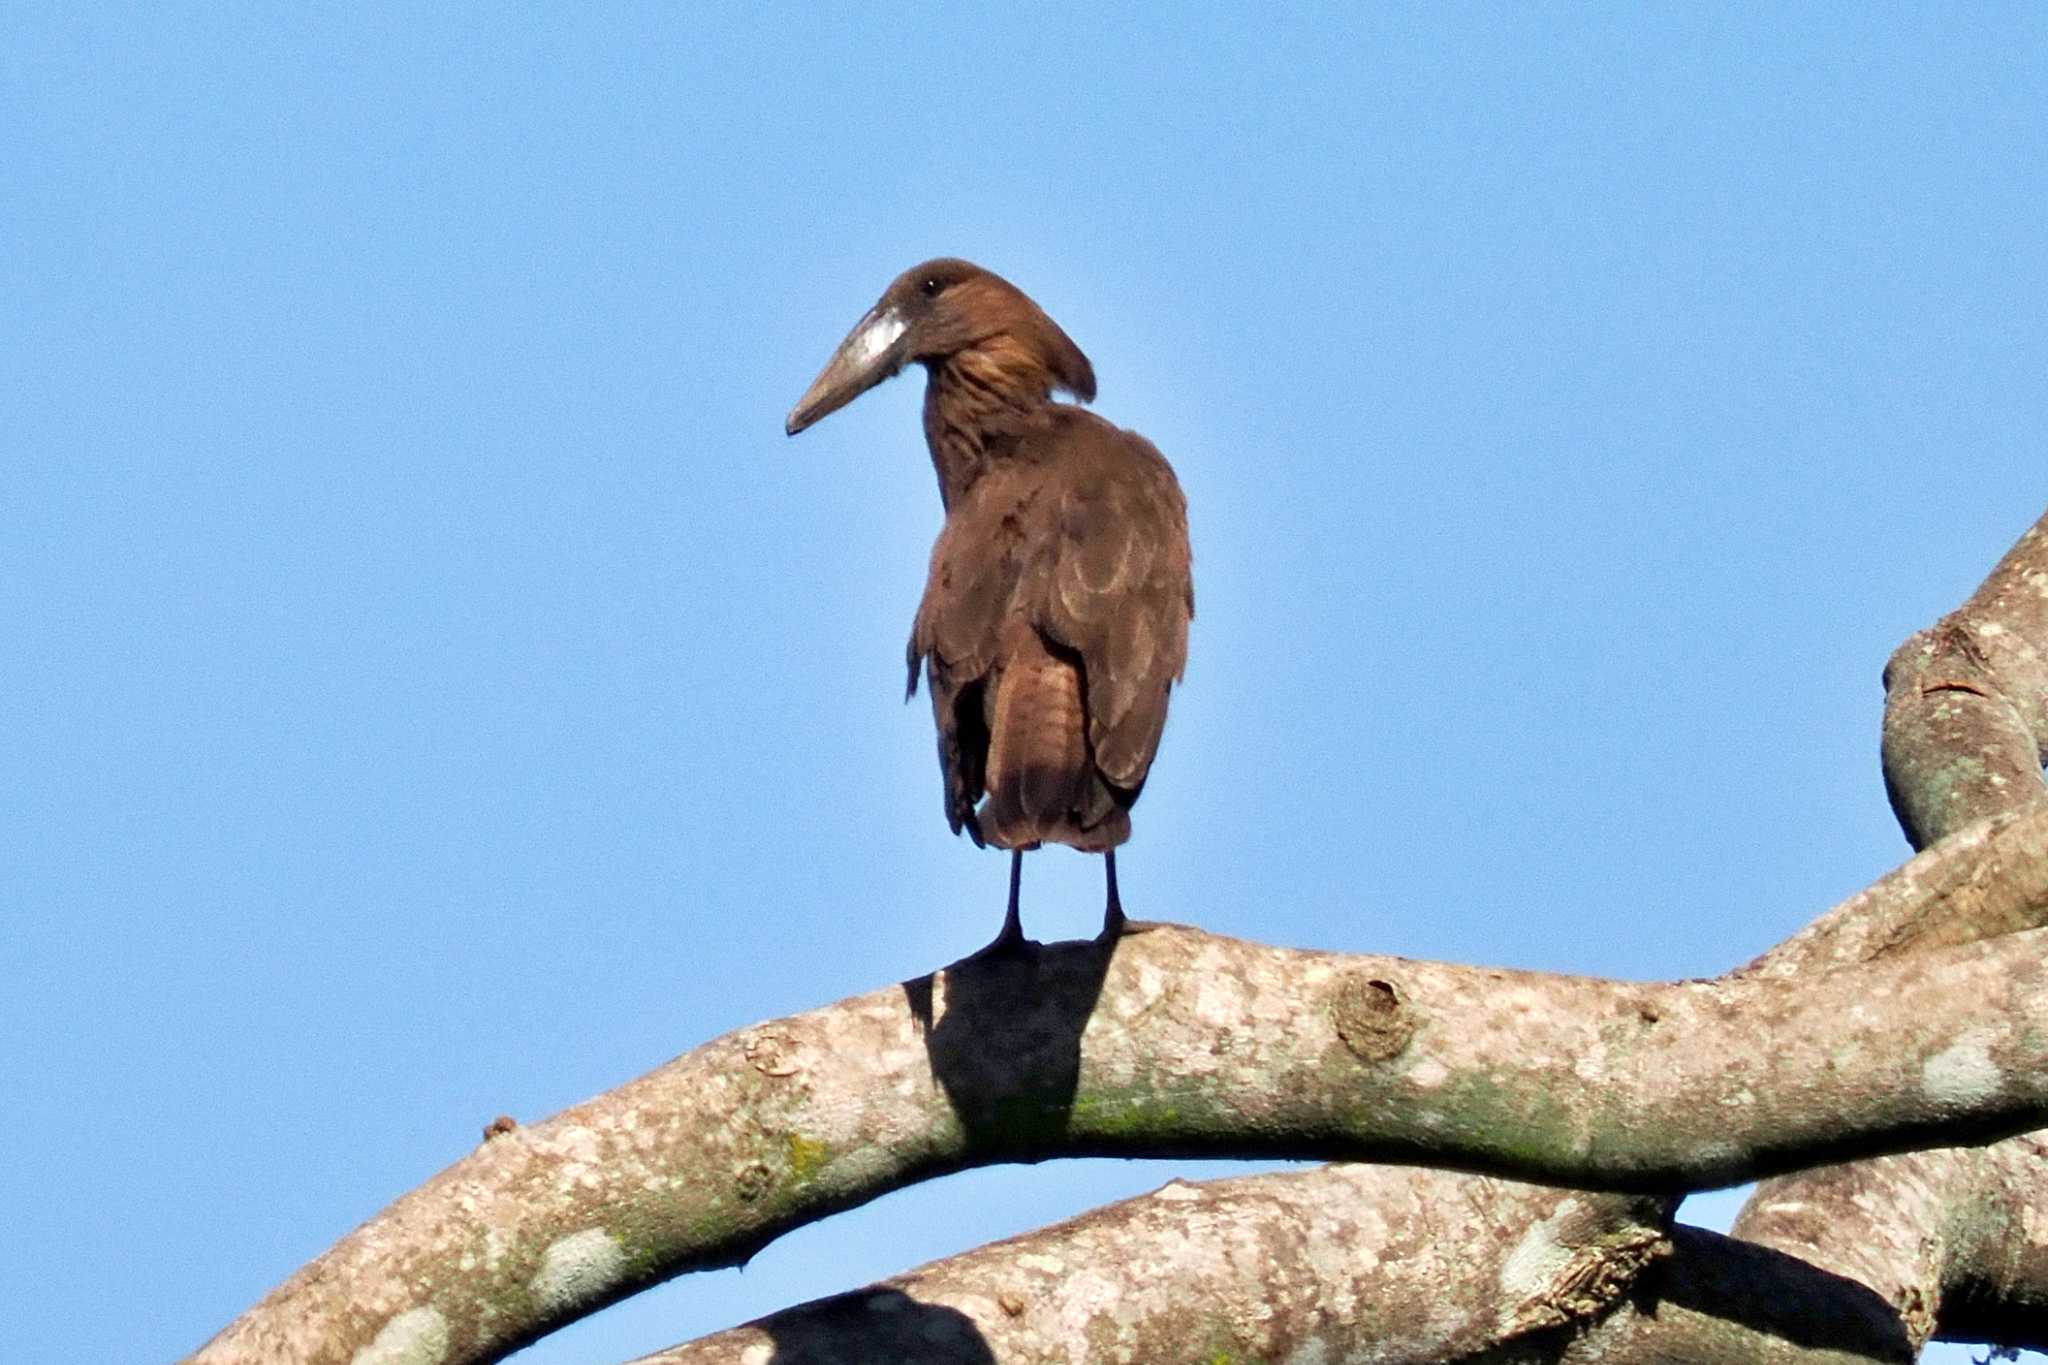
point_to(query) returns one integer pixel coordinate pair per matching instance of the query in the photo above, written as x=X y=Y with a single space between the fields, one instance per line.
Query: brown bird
x=1055 y=619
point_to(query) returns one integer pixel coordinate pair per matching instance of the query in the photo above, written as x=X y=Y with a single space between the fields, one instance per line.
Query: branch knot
x=1371 y=1018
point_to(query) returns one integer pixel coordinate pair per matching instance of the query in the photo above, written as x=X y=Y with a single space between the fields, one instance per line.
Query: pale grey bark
x=1367 y=1264
x=1953 y=1238
x=1848 y=1272
x=1966 y=703
x=1982 y=881
x=1181 y=1042
x=1856 y=1262
x=1995 y=1246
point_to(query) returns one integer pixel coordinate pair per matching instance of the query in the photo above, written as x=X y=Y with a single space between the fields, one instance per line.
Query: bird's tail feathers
x=1038 y=751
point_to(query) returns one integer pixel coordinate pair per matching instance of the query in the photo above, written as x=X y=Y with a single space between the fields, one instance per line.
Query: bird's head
x=935 y=311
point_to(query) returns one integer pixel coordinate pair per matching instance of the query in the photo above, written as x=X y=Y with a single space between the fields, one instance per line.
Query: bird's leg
x=1011 y=936
x=1013 y=922
x=1113 y=910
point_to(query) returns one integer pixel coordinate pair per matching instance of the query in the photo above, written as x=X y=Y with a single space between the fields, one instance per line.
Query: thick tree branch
x=1718 y=1298
x=1872 y=1273
x=1181 y=1043
x=1184 y=1043
x=1359 y=1263
x=1954 y=1240
x=1890 y=1244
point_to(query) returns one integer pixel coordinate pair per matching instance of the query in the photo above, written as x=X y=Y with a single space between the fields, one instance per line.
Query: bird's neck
x=975 y=404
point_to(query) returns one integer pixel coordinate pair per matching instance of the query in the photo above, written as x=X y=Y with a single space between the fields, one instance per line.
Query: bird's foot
x=1116 y=925
x=1010 y=943
x=1113 y=924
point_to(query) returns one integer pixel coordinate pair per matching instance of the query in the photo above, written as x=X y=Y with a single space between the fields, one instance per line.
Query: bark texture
x=1966 y=703
x=1995 y=1244
x=1910 y=1014
x=1370 y=1265
x=1343 y=1262
x=1945 y=1234
x=1864 y=1262
x=1180 y=1042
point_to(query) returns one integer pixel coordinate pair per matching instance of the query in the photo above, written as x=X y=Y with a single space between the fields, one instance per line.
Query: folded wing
x=1081 y=536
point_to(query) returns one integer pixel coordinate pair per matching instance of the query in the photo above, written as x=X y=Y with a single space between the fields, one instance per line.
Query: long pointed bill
x=869 y=355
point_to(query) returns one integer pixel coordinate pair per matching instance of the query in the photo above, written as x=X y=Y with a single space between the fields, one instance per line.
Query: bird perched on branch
x=1055 y=619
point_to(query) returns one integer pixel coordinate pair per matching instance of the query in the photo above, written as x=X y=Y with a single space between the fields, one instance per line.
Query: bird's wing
x=975 y=568
x=973 y=579
x=1119 y=590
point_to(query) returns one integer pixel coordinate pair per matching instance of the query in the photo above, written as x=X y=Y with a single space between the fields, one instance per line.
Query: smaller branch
x=1344 y=1262
x=1948 y=1237
x=1958 y=1235
x=1995 y=1267
x=1875 y=1222
x=1966 y=703
x=1954 y=1239
x=1988 y=879
x=1716 y=1298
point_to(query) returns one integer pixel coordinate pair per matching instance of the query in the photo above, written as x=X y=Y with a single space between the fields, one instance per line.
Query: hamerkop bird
x=1055 y=619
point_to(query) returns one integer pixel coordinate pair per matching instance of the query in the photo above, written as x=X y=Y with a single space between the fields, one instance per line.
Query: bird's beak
x=872 y=352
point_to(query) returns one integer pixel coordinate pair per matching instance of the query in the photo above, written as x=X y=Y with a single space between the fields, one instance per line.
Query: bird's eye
x=932 y=285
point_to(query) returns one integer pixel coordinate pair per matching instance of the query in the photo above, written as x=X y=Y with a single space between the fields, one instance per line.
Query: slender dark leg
x=1113 y=911
x=1011 y=937
x=1013 y=921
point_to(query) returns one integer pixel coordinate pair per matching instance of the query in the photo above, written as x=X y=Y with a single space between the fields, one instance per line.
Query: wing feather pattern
x=1122 y=595
x=1082 y=534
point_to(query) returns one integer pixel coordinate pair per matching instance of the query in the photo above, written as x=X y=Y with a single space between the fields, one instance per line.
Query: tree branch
x=1966 y=703
x=1944 y=1235
x=1185 y=1043
x=1377 y=1265
x=1955 y=1239
x=1995 y=1244
x=1984 y=880
x=1872 y=1275
x=1343 y=1262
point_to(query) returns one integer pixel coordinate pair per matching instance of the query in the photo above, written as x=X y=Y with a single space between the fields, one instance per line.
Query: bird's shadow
x=1003 y=1032
x=876 y=1324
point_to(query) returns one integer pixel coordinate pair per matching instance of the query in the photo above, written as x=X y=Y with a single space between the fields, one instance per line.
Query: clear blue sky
x=434 y=687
